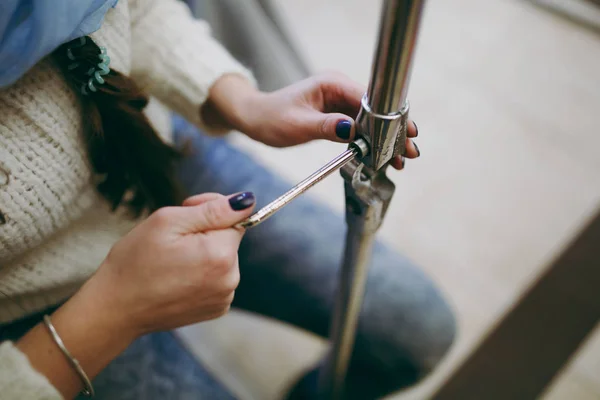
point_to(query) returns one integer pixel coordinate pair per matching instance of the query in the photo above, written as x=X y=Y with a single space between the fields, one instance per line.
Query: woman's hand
x=177 y=267
x=321 y=107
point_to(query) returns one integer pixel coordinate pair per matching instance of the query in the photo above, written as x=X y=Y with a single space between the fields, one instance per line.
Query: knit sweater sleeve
x=175 y=58
x=18 y=379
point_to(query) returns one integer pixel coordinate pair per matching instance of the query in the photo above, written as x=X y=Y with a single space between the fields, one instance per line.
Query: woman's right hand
x=178 y=267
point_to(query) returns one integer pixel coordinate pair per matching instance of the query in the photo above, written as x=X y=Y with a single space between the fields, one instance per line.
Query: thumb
x=336 y=127
x=220 y=212
x=200 y=198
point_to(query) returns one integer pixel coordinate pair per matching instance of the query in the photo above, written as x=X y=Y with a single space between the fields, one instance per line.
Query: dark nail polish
x=343 y=128
x=417 y=149
x=403 y=162
x=416 y=129
x=242 y=201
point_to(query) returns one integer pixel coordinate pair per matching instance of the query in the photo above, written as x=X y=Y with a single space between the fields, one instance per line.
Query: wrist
x=91 y=315
x=233 y=103
x=89 y=331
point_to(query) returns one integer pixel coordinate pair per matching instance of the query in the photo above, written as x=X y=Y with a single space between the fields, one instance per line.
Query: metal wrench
x=356 y=149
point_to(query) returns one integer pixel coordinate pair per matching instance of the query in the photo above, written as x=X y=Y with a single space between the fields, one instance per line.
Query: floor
x=506 y=96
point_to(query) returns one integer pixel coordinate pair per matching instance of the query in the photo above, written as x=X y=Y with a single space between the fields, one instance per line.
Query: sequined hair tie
x=95 y=73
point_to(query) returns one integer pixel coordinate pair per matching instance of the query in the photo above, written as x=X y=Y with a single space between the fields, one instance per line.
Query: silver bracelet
x=88 y=389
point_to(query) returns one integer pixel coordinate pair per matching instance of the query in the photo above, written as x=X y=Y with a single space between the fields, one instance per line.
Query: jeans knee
x=408 y=366
x=437 y=342
x=404 y=335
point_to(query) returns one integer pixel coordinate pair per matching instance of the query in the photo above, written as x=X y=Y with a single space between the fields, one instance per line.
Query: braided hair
x=135 y=167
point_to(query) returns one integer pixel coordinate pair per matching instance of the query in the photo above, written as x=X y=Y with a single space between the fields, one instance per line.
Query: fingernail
x=403 y=162
x=242 y=201
x=343 y=128
x=417 y=148
x=416 y=129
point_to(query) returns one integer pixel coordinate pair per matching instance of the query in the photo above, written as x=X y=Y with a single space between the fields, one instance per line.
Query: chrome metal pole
x=392 y=64
x=382 y=124
x=384 y=105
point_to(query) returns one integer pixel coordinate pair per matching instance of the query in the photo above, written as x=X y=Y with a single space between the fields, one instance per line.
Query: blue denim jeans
x=289 y=269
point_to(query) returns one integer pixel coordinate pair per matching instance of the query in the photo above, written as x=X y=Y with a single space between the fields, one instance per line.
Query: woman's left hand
x=320 y=107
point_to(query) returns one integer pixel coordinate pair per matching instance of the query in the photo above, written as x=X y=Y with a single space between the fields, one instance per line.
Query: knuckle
x=212 y=214
x=191 y=200
x=324 y=127
x=162 y=216
x=331 y=76
x=231 y=282
x=222 y=257
x=320 y=80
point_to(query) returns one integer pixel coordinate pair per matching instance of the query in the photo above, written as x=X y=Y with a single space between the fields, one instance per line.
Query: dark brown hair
x=135 y=167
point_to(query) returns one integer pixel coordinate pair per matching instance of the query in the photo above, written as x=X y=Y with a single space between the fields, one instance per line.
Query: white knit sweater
x=55 y=229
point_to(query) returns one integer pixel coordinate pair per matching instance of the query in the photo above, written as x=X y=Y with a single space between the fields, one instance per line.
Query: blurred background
x=506 y=94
